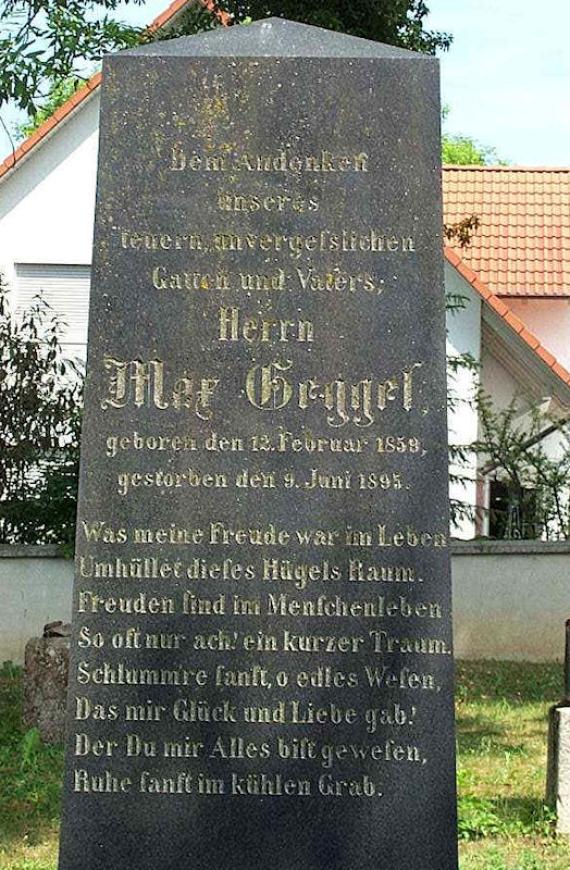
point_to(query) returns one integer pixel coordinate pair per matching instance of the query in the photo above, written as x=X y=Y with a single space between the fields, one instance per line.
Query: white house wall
x=549 y=319
x=463 y=336
x=499 y=383
x=502 y=386
x=47 y=203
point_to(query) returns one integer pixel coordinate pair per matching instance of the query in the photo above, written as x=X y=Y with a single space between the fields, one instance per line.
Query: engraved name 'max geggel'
x=269 y=387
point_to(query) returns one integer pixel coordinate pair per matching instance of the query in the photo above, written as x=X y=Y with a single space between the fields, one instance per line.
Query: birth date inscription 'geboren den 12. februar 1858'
x=261 y=669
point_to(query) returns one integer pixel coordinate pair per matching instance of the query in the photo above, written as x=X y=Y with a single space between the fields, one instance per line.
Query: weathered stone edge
x=458 y=548
x=30 y=551
x=509 y=548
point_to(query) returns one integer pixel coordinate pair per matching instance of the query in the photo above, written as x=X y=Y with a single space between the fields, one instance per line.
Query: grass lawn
x=501 y=717
x=30 y=785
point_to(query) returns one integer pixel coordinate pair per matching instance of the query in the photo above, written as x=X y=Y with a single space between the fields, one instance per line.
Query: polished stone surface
x=261 y=667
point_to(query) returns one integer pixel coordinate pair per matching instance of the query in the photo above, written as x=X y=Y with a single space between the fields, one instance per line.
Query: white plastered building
x=514 y=277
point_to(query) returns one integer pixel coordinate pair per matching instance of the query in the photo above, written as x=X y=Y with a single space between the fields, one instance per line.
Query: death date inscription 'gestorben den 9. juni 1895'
x=261 y=669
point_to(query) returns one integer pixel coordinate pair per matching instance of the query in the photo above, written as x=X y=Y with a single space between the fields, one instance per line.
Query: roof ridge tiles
x=513 y=321
x=524 y=225
x=474 y=167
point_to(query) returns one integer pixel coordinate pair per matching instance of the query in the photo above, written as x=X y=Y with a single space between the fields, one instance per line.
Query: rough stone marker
x=261 y=669
x=558 y=758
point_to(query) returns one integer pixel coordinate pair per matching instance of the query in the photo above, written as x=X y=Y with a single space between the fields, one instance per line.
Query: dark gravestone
x=46 y=674
x=262 y=669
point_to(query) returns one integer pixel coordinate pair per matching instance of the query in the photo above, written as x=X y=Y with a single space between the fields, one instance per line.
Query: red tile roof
x=522 y=246
x=178 y=5
x=508 y=316
x=82 y=94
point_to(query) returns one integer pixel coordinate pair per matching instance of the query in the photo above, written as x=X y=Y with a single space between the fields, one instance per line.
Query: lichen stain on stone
x=158 y=141
x=212 y=113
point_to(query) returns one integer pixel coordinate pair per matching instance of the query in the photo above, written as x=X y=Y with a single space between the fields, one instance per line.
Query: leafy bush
x=40 y=417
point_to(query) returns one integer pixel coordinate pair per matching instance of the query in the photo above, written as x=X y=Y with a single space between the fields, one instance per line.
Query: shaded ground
x=501 y=719
x=30 y=785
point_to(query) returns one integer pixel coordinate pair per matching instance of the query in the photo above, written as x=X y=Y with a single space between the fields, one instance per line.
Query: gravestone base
x=45 y=686
x=558 y=770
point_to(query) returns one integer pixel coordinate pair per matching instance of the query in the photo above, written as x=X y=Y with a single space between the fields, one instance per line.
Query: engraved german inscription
x=261 y=670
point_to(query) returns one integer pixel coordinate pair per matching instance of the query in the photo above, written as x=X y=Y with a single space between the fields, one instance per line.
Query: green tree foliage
x=513 y=449
x=460 y=150
x=536 y=482
x=462 y=231
x=195 y=19
x=464 y=151
x=40 y=401
x=44 y=42
x=397 y=22
x=59 y=93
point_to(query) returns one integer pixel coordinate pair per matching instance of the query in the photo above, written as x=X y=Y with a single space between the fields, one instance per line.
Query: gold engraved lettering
x=149 y=568
x=179 y=784
x=148 y=712
x=86 y=745
x=195 y=606
x=410 y=538
x=269 y=785
x=228 y=569
x=163 y=479
x=263 y=283
x=179 y=161
x=336 y=280
x=121 y=673
x=362 y=787
x=87 y=709
x=93 y=602
x=267 y=390
x=171 y=534
x=346 y=403
x=122 y=443
x=100 y=531
x=102 y=783
x=191 y=710
x=300 y=574
x=150 y=241
x=320 y=643
x=232 y=327
x=282 y=160
x=309 y=443
x=363 y=572
x=163 y=279
x=178 y=158
x=325 y=606
x=385 y=643
x=397 y=444
x=254 y=676
x=138 y=383
x=277 y=202
x=182 y=749
x=324 y=241
x=403 y=679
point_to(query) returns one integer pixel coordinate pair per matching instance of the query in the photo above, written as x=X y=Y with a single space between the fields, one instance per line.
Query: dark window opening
x=513 y=512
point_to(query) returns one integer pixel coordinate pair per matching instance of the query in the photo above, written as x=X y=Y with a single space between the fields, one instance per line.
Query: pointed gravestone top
x=274 y=37
x=261 y=671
